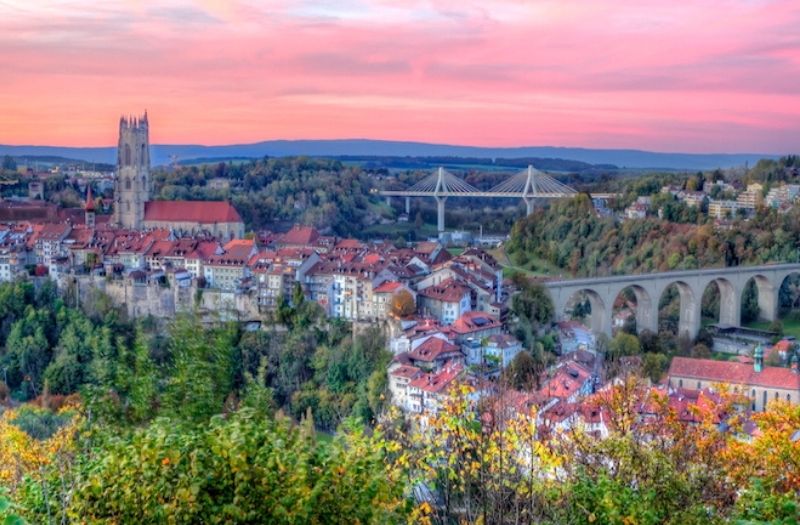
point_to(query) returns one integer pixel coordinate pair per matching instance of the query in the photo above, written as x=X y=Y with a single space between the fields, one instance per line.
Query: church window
x=127 y=205
x=127 y=155
x=127 y=183
x=765 y=401
x=142 y=157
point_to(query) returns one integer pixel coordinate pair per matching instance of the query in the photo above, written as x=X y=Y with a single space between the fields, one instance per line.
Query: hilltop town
x=448 y=316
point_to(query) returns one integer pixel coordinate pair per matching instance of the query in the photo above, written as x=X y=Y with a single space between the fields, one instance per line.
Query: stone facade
x=133 y=173
x=165 y=299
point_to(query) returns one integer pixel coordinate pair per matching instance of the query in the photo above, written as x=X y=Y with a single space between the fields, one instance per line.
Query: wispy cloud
x=708 y=75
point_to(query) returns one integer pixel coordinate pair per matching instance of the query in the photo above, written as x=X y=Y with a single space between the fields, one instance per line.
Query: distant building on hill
x=133 y=208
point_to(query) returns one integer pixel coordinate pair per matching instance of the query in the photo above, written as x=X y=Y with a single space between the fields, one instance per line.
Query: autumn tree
x=403 y=304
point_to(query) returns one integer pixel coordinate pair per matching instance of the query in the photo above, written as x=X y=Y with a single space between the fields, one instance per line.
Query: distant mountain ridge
x=623 y=158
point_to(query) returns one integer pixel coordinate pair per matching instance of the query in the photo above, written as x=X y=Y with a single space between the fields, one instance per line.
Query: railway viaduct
x=691 y=284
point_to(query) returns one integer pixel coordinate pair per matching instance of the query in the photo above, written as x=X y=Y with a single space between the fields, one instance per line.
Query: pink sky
x=700 y=75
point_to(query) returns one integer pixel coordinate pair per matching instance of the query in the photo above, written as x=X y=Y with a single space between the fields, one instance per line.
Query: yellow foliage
x=22 y=455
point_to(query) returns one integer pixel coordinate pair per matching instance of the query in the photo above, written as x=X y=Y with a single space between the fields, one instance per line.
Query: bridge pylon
x=439 y=193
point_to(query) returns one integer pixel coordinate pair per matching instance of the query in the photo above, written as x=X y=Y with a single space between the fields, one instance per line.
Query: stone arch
x=767 y=297
x=729 y=301
x=689 y=309
x=642 y=310
x=788 y=292
x=127 y=158
x=599 y=318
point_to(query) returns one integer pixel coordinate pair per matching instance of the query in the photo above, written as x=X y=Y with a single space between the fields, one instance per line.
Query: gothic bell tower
x=132 y=188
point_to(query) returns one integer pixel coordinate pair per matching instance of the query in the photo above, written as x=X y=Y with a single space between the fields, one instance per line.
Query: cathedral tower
x=132 y=189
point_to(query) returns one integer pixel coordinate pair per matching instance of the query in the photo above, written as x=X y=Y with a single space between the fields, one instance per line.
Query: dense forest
x=311 y=364
x=322 y=193
x=570 y=235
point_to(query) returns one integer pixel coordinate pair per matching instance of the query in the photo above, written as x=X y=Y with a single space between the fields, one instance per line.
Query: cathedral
x=133 y=208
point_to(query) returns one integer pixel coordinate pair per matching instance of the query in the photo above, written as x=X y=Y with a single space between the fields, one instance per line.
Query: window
x=127 y=155
x=698 y=385
x=765 y=400
x=680 y=383
x=127 y=183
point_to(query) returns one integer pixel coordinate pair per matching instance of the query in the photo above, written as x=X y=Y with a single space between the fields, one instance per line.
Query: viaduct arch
x=691 y=284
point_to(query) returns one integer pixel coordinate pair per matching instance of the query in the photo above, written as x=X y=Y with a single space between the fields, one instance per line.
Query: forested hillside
x=332 y=196
x=311 y=364
x=320 y=193
x=570 y=235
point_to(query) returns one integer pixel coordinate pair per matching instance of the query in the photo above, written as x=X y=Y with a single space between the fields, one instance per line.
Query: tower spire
x=89 y=206
x=88 y=209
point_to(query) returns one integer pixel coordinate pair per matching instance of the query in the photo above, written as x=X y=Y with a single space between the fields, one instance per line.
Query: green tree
x=522 y=372
x=623 y=344
x=654 y=365
x=241 y=469
x=750 y=308
x=202 y=370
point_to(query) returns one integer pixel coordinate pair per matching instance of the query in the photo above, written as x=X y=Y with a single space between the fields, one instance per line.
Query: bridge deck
x=482 y=194
x=589 y=281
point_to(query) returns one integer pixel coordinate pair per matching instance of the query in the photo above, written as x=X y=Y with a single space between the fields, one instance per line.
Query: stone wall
x=153 y=299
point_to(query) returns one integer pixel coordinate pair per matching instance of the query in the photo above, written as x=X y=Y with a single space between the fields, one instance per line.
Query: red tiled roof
x=566 y=382
x=237 y=253
x=437 y=382
x=349 y=244
x=240 y=244
x=295 y=254
x=387 y=287
x=203 y=212
x=299 y=235
x=426 y=247
x=732 y=372
x=448 y=291
x=432 y=349
x=372 y=258
x=51 y=232
x=204 y=250
x=160 y=248
x=474 y=322
x=262 y=257
x=407 y=371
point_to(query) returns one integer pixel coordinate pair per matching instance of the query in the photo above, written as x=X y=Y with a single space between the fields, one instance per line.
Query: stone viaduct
x=602 y=292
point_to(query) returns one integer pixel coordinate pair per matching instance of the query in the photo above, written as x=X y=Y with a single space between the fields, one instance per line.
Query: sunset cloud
x=692 y=76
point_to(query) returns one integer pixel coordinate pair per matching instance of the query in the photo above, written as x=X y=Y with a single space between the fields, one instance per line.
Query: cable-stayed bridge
x=529 y=184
